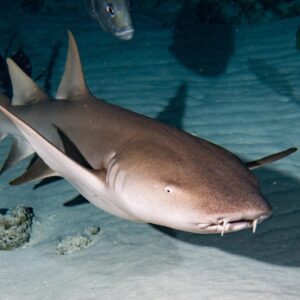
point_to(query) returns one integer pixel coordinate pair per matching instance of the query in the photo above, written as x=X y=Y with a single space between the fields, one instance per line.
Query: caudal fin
x=25 y=92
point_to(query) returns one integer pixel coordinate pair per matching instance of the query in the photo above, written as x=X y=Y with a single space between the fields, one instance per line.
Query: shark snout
x=235 y=221
x=259 y=212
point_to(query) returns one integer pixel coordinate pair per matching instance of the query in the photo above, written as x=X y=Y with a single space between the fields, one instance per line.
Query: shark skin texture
x=127 y=164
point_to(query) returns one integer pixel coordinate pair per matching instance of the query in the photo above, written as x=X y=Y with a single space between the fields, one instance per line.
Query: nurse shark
x=125 y=163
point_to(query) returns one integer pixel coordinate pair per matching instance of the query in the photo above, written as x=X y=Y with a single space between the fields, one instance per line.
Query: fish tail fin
x=25 y=92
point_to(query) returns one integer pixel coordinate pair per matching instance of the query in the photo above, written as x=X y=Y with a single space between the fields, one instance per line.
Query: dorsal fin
x=72 y=85
x=25 y=91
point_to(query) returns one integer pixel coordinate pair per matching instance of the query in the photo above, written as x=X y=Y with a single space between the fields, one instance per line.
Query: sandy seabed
x=249 y=104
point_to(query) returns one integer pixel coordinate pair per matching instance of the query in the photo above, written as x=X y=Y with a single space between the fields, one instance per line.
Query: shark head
x=172 y=188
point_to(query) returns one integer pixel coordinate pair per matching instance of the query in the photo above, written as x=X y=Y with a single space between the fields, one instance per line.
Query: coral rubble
x=15 y=227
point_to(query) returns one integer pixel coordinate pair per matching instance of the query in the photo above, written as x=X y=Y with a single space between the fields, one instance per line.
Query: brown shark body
x=127 y=164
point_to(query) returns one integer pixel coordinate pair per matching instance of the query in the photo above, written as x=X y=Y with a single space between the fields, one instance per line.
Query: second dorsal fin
x=72 y=85
x=25 y=91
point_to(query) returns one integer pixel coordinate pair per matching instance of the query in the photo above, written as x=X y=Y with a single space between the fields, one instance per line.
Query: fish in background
x=113 y=17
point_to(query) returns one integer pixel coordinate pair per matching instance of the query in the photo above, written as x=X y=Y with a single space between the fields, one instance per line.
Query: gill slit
x=115 y=179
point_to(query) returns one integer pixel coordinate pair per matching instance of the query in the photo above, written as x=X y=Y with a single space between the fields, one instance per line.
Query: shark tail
x=26 y=92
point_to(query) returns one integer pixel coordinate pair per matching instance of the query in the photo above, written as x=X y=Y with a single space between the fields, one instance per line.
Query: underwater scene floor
x=237 y=86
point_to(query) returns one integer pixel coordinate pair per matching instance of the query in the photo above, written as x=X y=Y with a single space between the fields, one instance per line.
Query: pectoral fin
x=270 y=158
x=37 y=171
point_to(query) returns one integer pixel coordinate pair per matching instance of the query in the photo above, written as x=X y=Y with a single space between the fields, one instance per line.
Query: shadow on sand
x=273 y=78
x=173 y=113
x=200 y=46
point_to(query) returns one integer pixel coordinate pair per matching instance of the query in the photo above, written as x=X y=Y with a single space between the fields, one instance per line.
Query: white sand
x=253 y=109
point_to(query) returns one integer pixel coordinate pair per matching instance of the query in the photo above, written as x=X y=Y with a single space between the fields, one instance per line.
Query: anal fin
x=37 y=171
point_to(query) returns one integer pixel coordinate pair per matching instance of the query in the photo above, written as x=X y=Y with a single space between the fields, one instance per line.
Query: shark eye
x=110 y=9
x=168 y=190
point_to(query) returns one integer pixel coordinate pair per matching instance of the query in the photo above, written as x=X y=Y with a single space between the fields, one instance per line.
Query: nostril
x=263 y=217
x=263 y=214
x=266 y=210
x=260 y=213
x=220 y=220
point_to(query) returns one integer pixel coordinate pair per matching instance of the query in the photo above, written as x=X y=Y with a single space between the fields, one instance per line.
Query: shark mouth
x=224 y=226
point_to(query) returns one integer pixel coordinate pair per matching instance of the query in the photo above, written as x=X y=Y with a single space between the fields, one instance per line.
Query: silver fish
x=113 y=16
x=127 y=164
